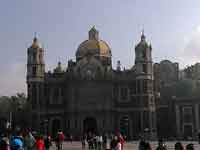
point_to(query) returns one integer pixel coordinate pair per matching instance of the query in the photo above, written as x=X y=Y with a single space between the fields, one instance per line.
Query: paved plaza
x=128 y=146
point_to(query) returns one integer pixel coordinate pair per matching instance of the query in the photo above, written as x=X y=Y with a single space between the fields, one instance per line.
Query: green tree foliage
x=15 y=108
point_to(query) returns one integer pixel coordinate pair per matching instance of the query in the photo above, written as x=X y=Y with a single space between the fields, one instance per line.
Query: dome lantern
x=93 y=46
x=143 y=38
x=93 y=34
x=35 y=43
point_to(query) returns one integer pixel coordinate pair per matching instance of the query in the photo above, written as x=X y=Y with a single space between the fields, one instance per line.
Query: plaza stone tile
x=133 y=145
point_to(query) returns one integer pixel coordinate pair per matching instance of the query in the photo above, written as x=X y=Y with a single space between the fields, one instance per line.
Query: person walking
x=29 y=141
x=84 y=142
x=119 y=145
x=122 y=141
x=190 y=147
x=142 y=145
x=161 y=145
x=71 y=138
x=39 y=142
x=59 y=140
x=114 y=143
x=108 y=142
x=101 y=142
x=147 y=146
x=178 y=146
x=17 y=142
x=4 y=143
x=47 y=142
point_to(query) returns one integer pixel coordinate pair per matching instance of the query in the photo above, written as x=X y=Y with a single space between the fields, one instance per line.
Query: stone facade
x=187 y=112
x=90 y=95
x=177 y=100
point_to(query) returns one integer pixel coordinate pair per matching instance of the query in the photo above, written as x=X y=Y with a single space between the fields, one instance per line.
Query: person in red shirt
x=122 y=141
x=39 y=143
x=59 y=140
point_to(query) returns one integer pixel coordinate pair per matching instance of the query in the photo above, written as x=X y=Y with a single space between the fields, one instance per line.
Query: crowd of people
x=27 y=140
x=98 y=142
x=161 y=146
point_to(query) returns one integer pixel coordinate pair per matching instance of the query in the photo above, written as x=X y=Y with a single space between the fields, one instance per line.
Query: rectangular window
x=115 y=92
x=187 y=114
x=132 y=88
x=56 y=94
x=46 y=94
x=34 y=71
x=103 y=124
x=124 y=93
x=75 y=124
x=134 y=100
x=144 y=86
x=138 y=100
x=144 y=68
x=144 y=101
x=62 y=92
x=149 y=85
x=146 y=119
x=68 y=124
x=34 y=95
x=138 y=87
x=34 y=57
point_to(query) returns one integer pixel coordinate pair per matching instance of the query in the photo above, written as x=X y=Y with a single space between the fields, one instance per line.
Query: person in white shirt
x=119 y=146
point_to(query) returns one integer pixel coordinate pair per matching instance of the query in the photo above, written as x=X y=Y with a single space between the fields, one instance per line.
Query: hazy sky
x=172 y=27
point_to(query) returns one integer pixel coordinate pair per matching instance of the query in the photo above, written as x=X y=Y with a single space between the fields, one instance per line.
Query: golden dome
x=93 y=46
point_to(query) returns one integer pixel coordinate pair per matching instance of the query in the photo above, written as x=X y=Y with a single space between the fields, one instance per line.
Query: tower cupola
x=143 y=38
x=143 y=58
x=93 y=34
x=35 y=62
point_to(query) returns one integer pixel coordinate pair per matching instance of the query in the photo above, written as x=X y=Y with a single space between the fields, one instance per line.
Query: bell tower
x=143 y=58
x=35 y=64
x=35 y=79
x=144 y=83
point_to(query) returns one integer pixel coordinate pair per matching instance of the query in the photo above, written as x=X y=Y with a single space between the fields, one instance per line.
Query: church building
x=90 y=95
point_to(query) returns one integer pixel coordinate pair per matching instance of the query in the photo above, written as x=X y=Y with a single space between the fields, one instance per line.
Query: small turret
x=118 y=65
x=58 y=69
x=143 y=38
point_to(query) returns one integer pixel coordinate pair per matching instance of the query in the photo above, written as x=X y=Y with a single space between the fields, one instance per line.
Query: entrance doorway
x=125 y=126
x=187 y=131
x=90 y=125
x=56 y=124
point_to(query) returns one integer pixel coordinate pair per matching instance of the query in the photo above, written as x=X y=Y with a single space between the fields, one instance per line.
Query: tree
x=15 y=109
